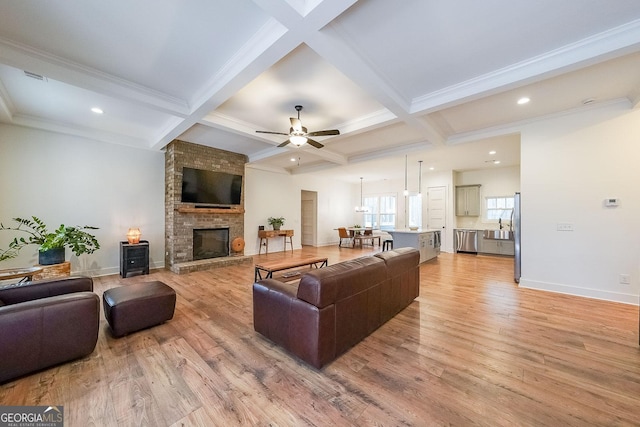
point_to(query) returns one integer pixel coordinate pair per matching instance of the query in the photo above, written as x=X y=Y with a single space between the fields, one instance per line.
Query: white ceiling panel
x=440 y=44
x=302 y=77
x=171 y=47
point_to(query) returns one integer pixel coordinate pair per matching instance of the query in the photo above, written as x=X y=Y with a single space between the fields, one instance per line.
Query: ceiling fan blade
x=296 y=124
x=272 y=133
x=313 y=143
x=324 y=132
x=284 y=143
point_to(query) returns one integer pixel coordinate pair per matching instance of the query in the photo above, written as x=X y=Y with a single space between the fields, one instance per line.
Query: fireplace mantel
x=232 y=211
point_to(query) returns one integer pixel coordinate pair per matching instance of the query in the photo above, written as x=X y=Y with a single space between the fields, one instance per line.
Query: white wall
x=275 y=194
x=73 y=181
x=570 y=164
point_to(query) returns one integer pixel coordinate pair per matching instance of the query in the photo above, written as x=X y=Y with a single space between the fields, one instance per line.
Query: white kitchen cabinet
x=468 y=200
x=496 y=247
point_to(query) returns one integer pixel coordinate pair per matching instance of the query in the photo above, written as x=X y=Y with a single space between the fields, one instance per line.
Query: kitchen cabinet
x=468 y=200
x=426 y=241
x=497 y=247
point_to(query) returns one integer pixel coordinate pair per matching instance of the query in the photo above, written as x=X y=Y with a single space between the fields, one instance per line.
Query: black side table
x=134 y=258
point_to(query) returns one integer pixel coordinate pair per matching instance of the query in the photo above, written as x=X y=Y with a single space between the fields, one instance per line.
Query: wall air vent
x=35 y=76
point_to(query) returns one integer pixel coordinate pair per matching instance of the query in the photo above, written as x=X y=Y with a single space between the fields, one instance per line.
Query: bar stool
x=387 y=245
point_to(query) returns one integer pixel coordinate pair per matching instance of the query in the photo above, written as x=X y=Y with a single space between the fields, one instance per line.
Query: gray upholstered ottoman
x=134 y=307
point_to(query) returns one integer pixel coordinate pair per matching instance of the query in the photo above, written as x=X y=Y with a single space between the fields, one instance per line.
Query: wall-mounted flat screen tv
x=210 y=188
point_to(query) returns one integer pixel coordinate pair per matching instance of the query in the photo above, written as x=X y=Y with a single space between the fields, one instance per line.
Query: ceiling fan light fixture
x=298 y=140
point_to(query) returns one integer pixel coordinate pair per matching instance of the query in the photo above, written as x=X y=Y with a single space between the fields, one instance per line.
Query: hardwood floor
x=473 y=349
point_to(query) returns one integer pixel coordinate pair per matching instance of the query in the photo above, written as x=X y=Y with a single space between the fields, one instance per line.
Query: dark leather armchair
x=46 y=322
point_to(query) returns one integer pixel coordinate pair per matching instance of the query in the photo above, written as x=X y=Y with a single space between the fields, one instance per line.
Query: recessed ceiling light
x=432 y=168
x=523 y=100
x=97 y=110
x=492 y=152
x=293 y=159
x=496 y=162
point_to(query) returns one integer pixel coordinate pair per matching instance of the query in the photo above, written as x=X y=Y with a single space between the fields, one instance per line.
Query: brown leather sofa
x=46 y=322
x=333 y=308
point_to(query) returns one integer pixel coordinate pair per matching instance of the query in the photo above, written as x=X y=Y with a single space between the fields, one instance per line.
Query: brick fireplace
x=182 y=219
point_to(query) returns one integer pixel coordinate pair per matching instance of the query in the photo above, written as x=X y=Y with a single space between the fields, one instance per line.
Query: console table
x=265 y=235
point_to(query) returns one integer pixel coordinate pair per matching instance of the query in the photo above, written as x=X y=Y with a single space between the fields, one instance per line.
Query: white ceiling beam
x=516 y=127
x=286 y=30
x=79 y=131
x=350 y=63
x=267 y=47
x=392 y=151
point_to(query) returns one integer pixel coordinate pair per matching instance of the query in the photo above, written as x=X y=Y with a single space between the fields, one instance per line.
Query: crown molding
x=27 y=58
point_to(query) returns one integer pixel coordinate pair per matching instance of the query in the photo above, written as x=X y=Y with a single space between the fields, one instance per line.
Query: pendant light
x=362 y=207
x=420 y=178
x=406 y=189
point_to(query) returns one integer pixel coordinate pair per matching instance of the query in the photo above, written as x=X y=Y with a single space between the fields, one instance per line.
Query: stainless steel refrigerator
x=516 y=237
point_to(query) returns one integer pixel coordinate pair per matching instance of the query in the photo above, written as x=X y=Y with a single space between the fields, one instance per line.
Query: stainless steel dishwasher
x=467 y=241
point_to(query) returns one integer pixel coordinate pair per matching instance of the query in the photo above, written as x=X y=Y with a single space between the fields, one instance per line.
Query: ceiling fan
x=298 y=134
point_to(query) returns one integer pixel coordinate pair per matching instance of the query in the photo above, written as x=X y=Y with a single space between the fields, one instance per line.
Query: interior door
x=308 y=218
x=437 y=211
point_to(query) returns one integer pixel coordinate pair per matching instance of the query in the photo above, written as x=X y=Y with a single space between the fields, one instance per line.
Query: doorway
x=308 y=217
x=437 y=211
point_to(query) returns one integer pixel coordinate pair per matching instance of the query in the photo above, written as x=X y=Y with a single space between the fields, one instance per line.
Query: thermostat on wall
x=611 y=202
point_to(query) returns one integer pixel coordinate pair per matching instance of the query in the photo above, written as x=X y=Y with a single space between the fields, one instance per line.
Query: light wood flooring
x=473 y=349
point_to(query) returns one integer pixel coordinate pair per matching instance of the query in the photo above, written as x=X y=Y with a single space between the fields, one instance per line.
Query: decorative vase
x=51 y=256
x=276 y=226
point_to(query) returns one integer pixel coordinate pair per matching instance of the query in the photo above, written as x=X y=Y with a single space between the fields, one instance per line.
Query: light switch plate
x=565 y=226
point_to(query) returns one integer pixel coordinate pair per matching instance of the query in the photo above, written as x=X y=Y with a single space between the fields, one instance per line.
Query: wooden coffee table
x=270 y=267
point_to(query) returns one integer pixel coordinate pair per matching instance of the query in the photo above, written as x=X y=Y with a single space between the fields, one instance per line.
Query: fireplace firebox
x=210 y=243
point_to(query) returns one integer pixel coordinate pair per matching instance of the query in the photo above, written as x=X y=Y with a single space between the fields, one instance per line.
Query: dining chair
x=344 y=234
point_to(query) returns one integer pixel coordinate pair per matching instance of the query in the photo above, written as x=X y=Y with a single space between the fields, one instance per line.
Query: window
x=499 y=208
x=415 y=211
x=381 y=212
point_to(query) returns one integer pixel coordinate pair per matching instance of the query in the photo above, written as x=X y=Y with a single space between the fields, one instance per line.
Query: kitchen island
x=426 y=241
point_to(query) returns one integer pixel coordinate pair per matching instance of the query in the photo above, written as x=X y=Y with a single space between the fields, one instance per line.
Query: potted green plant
x=276 y=223
x=51 y=244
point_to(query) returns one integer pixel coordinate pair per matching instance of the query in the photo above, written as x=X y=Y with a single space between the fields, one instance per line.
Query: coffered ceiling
x=433 y=79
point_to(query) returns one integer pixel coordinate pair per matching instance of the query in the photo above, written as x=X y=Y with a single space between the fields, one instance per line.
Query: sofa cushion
x=326 y=286
x=399 y=260
x=26 y=291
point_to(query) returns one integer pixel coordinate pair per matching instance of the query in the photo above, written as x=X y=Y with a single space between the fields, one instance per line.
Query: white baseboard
x=108 y=271
x=625 y=298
